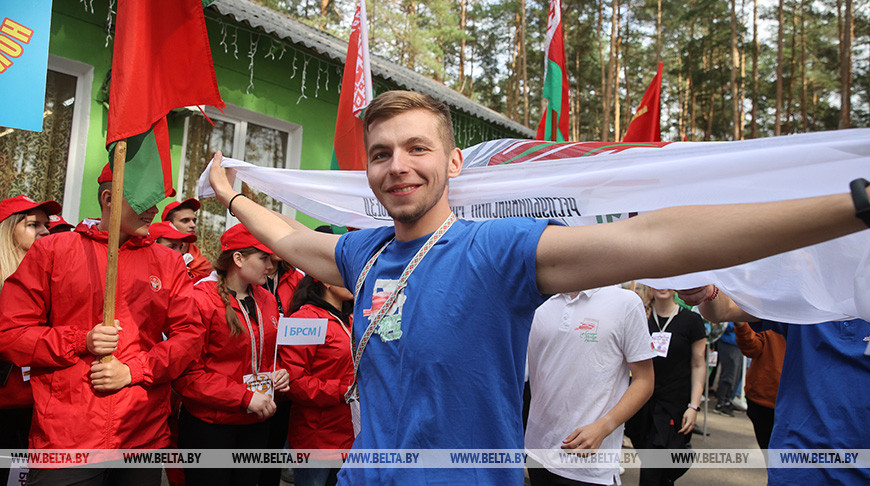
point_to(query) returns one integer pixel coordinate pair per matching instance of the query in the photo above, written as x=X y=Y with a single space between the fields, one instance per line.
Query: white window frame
x=240 y=117
x=78 y=137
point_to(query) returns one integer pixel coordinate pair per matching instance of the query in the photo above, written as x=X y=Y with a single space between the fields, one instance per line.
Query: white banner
x=825 y=282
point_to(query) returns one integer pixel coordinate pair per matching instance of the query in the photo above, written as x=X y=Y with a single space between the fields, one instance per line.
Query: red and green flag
x=554 y=122
x=161 y=61
x=645 y=125
x=356 y=94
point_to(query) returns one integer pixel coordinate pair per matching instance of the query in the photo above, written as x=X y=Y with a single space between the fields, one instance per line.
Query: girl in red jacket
x=319 y=377
x=22 y=222
x=227 y=396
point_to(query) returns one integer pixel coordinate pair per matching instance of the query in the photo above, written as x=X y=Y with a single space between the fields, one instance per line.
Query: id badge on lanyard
x=661 y=340
x=259 y=383
x=256 y=381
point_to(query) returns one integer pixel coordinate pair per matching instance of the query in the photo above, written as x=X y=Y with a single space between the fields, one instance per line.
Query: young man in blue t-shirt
x=448 y=306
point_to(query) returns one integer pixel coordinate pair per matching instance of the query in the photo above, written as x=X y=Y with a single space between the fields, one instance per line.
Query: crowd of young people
x=450 y=301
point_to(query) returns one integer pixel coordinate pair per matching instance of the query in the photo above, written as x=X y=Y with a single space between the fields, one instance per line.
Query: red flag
x=645 y=125
x=356 y=94
x=554 y=121
x=161 y=61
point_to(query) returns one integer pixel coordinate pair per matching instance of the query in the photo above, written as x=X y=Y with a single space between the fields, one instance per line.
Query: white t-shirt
x=579 y=350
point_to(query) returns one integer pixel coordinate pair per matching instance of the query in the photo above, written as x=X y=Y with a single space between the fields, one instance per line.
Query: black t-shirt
x=673 y=374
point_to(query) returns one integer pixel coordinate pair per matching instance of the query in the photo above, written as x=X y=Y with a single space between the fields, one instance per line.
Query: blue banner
x=24 y=31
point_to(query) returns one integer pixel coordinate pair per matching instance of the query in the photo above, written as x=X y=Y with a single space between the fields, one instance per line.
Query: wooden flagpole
x=114 y=237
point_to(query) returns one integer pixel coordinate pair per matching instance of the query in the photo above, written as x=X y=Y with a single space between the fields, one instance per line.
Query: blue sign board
x=24 y=31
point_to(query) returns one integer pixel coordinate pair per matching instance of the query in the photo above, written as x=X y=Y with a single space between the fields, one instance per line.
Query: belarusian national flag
x=645 y=125
x=161 y=61
x=356 y=94
x=554 y=122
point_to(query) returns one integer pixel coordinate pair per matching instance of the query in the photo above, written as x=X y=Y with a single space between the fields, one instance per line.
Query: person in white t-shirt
x=581 y=349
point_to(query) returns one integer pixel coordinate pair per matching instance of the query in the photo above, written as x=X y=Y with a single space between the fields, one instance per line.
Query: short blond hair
x=393 y=103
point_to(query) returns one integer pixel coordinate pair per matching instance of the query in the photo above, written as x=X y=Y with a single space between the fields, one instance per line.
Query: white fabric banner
x=561 y=181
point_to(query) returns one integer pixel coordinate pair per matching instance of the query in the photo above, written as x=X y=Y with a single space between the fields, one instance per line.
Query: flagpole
x=114 y=237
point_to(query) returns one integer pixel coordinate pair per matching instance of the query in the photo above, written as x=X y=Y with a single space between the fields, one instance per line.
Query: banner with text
x=24 y=34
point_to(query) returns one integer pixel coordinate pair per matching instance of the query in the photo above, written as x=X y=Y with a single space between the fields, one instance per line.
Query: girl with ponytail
x=228 y=396
x=319 y=377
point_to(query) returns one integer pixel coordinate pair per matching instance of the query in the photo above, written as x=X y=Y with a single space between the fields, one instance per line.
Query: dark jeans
x=15 y=427
x=538 y=476
x=280 y=424
x=94 y=477
x=193 y=433
x=730 y=367
x=762 y=422
x=315 y=476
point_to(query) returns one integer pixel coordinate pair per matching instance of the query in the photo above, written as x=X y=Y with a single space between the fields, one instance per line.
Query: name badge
x=259 y=383
x=661 y=341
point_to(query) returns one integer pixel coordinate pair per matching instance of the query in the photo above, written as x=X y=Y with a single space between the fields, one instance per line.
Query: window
x=49 y=164
x=240 y=134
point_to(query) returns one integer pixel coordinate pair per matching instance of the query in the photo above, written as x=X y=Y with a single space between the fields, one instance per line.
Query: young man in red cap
x=164 y=233
x=182 y=215
x=50 y=319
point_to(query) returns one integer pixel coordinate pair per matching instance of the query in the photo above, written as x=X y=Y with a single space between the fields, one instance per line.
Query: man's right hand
x=103 y=340
x=697 y=295
x=221 y=179
x=262 y=405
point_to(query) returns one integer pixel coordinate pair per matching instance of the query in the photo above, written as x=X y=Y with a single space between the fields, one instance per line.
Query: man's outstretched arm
x=680 y=240
x=303 y=248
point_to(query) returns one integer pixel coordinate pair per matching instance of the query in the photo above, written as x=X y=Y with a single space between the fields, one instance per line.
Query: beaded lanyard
x=256 y=357
x=403 y=281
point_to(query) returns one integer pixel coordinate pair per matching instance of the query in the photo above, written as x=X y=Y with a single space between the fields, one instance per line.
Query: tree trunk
x=846 y=68
x=791 y=68
x=609 y=85
x=776 y=124
x=753 y=124
x=735 y=65
x=659 y=33
x=626 y=61
x=603 y=75
x=617 y=111
x=804 y=124
x=525 y=70
x=463 y=8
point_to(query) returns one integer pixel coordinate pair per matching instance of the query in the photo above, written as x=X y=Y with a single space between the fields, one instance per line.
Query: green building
x=279 y=77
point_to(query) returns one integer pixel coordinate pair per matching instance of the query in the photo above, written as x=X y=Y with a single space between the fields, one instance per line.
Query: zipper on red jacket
x=107 y=438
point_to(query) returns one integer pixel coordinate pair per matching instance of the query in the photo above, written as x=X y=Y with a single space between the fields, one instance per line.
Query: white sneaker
x=739 y=404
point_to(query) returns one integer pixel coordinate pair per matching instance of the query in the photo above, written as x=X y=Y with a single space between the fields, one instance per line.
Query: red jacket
x=319 y=377
x=213 y=390
x=47 y=308
x=199 y=267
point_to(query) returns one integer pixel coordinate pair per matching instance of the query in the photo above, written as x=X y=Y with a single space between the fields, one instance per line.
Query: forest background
x=733 y=69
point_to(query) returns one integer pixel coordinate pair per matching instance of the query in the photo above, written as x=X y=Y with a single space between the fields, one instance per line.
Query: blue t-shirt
x=446 y=369
x=823 y=400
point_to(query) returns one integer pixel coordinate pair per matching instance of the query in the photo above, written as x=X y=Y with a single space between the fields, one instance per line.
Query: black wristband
x=859 y=198
x=230 y=205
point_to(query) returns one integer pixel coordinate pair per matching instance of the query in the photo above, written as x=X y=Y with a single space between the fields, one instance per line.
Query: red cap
x=239 y=237
x=56 y=224
x=20 y=204
x=105 y=175
x=191 y=203
x=164 y=229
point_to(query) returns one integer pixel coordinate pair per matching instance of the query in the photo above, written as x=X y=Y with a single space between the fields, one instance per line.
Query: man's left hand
x=110 y=376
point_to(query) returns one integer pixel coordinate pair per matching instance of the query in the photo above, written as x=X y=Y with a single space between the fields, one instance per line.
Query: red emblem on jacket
x=155 y=284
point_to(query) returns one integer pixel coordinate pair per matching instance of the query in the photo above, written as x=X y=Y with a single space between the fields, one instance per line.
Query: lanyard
x=256 y=356
x=656 y=318
x=346 y=330
x=403 y=282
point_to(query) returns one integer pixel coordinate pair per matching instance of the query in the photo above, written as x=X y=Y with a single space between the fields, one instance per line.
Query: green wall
x=78 y=34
